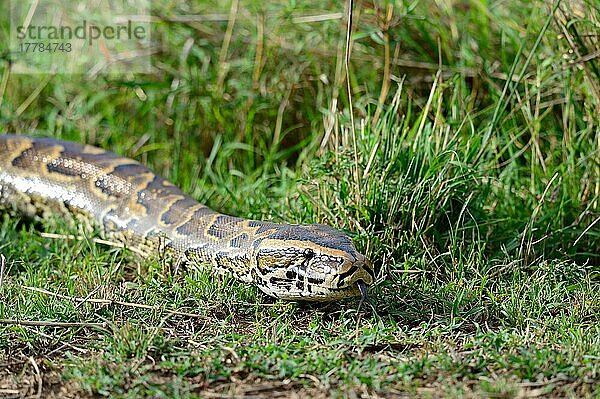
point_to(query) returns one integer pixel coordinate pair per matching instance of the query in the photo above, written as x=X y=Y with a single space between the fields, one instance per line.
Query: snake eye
x=309 y=253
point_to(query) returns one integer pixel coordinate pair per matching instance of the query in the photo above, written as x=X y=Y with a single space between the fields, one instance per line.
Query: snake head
x=311 y=263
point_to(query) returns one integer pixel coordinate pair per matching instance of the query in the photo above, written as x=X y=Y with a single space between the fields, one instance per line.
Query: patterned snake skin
x=43 y=177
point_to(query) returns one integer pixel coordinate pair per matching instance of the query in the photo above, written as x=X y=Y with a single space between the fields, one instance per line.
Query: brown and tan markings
x=43 y=177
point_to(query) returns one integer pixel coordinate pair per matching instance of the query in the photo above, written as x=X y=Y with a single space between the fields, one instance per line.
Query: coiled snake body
x=43 y=177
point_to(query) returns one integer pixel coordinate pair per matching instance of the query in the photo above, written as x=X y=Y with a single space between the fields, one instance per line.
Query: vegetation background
x=458 y=145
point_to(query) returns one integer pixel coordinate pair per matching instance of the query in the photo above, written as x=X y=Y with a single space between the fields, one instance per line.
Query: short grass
x=471 y=179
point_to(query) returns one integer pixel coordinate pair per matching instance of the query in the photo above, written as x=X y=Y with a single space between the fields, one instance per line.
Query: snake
x=45 y=178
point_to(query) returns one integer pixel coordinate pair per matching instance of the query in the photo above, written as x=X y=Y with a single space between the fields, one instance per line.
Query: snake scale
x=44 y=178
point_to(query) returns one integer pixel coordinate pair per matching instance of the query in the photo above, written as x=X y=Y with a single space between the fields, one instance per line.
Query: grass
x=471 y=179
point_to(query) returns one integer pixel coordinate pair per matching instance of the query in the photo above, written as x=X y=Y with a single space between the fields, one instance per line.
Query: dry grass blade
x=2 y=268
x=96 y=240
x=34 y=94
x=38 y=323
x=113 y=302
x=349 y=91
